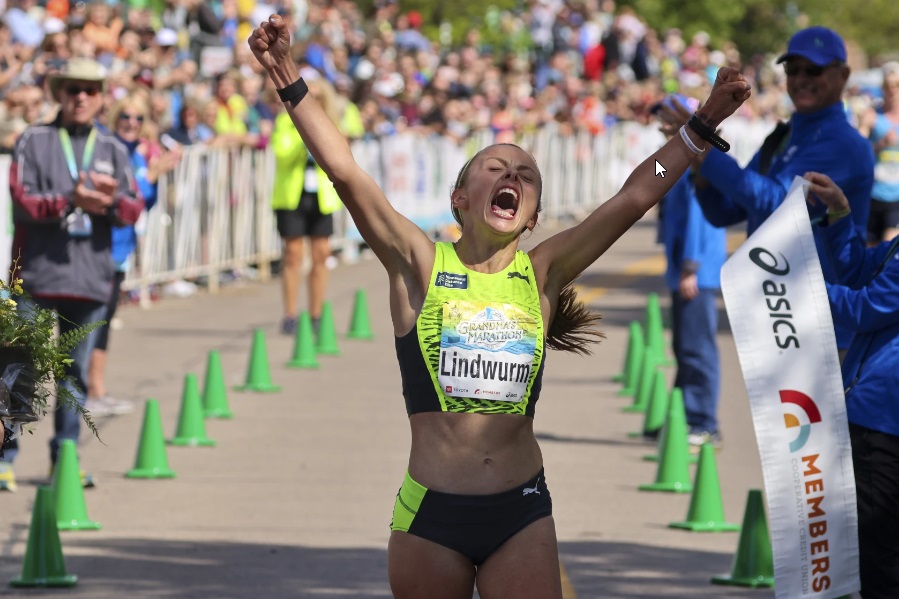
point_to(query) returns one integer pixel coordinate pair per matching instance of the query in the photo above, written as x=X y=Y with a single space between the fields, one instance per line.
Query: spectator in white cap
x=52 y=26
x=166 y=38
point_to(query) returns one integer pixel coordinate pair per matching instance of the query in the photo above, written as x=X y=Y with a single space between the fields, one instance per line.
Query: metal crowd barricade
x=212 y=216
x=214 y=210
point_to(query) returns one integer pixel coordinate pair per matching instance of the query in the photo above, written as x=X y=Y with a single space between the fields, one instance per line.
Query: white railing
x=214 y=215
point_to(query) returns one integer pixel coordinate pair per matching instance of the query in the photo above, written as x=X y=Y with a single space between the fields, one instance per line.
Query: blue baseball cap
x=820 y=45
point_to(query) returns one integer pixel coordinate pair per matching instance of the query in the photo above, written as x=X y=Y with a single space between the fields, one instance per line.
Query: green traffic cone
x=681 y=417
x=258 y=376
x=656 y=408
x=621 y=377
x=215 y=396
x=71 y=510
x=706 y=512
x=191 y=426
x=44 y=565
x=633 y=360
x=642 y=391
x=753 y=565
x=304 y=345
x=655 y=330
x=327 y=334
x=673 y=473
x=151 y=461
x=360 y=328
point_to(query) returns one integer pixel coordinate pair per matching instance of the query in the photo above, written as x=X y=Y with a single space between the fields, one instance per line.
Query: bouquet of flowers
x=33 y=358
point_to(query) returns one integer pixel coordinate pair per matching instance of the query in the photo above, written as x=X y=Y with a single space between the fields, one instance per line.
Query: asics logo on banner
x=799 y=419
x=451 y=280
x=777 y=297
x=530 y=490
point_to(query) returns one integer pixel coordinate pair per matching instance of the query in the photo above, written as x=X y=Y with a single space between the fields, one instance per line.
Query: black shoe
x=651 y=436
x=289 y=326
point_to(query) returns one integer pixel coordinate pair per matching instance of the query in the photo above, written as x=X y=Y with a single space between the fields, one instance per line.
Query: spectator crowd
x=584 y=64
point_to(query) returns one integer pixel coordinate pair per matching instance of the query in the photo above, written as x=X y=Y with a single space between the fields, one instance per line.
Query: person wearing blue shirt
x=818 y=137
x=695 y=250
x=126 y=122
x=867 y=298
x=882 y=126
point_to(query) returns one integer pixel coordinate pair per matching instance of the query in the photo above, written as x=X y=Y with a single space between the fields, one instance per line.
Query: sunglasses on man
x=792 y=69
x=74 y=90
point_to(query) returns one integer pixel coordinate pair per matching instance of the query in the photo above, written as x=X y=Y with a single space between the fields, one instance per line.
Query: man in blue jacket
x=868 y=299
x=818 y=137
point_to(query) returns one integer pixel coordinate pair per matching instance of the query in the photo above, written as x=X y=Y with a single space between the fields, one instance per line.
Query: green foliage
x=764 y=29
x=755 y=26
x=34 y=328
x=871 y=24
x=462 y=16
x=765 y=26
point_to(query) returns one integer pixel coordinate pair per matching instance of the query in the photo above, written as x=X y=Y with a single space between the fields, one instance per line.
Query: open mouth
x=505 y=203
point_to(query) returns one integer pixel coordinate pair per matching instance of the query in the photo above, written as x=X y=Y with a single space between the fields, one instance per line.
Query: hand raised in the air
x=270 y=42
x=729 y=92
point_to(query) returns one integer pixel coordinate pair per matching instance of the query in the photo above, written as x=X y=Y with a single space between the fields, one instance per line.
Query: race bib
x=486 y=350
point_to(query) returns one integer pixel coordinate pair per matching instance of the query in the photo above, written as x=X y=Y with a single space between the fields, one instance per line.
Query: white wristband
x=690 y=145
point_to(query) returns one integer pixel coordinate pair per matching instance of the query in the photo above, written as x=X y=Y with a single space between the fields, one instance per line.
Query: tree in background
x=755 y=26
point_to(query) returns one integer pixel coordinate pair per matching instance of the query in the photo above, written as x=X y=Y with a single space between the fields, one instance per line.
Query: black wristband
x=707 y=133
x=294 y=92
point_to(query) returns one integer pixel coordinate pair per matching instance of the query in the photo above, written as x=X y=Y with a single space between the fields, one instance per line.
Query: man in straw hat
x=71 y=182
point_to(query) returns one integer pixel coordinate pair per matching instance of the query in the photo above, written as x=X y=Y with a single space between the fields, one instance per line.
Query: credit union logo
x=800 y=413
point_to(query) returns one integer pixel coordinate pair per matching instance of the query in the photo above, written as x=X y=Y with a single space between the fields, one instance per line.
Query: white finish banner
x=780 y=316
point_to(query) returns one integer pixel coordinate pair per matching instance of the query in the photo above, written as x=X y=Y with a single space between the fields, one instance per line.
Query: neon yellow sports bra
x=478 y=344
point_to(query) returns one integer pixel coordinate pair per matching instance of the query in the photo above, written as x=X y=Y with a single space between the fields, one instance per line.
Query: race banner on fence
x=777 y=305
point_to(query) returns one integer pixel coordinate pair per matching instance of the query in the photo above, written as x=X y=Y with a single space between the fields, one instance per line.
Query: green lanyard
x=66 y=143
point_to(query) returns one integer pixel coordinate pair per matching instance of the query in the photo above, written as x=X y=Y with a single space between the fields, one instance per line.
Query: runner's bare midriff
x=473 y=454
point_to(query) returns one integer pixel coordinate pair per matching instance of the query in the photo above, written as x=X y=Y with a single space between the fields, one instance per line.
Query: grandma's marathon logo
x=490 y=329
x=800 y=413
